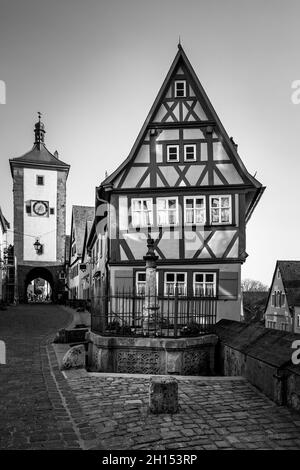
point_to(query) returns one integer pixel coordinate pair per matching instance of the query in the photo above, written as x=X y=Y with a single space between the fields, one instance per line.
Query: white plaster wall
x=35 y=226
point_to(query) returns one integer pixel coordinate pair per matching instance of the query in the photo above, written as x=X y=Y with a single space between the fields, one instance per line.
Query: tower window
x=180 y=89
x=40 y=180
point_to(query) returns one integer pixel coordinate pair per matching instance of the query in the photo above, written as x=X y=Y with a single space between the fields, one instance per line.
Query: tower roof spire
x=39 y=131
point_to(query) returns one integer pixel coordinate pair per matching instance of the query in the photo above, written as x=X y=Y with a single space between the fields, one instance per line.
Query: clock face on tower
x=40 y=208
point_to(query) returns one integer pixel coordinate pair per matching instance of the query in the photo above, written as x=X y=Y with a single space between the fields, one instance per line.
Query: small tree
x=251 y=285
x=255 y=295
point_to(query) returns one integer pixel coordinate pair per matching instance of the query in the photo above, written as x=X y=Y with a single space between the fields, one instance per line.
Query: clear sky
x=94 y=67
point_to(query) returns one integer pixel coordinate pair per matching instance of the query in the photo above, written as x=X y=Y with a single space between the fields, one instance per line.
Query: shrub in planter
x=191 y=329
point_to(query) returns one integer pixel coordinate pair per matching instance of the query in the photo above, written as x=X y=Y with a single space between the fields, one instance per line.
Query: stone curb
x=62 y=397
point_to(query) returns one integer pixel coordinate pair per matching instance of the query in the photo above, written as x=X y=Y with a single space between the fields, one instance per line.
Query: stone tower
x=39 y=197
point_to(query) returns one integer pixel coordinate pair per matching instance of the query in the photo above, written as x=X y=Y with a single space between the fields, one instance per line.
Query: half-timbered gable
x=184 y=183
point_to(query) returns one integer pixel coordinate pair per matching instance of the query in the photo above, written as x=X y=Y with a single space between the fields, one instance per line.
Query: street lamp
x=38 y=246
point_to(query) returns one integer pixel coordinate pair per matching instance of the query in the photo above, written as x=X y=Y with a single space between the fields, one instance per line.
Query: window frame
x=169 y=146
x=136 y=282
x=166 y=294
x=185 y=152
x=141 y=211
x=220 y=196
x=176 y=89
x=194 y=210
x=167 y=198
x=37 y=179
x=205 y=273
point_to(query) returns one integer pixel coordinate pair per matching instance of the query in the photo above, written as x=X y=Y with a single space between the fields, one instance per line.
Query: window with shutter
x=228 y=285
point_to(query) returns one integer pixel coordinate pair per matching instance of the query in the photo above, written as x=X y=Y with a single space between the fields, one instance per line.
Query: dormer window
x=40 y=180
x=173 y=153
x=180 y=89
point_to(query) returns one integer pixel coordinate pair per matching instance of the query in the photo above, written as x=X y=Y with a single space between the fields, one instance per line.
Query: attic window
x=173 y=153
x=180 y=88
x=40 y=180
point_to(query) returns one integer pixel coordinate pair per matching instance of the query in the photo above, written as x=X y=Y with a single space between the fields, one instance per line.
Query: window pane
x=189 y=216
x=180 y=277
x=189 y=203
x=225 y=215
x=200 y=217
x=209 y=278
x=199 y=277
x=172 y=218
x=225 y=201
x=172 y=203
x=161 y=203
x=170 y=277
x=141 y=277
x=162 y=218
x=215 y=215
x=136 y=218
x=215 y=202
x=136 y=205
x=200 y=203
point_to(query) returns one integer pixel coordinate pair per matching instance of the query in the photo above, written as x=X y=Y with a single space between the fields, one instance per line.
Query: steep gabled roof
x=181 y=59
x=290 y=275
x=40 y=155
x=80 y=215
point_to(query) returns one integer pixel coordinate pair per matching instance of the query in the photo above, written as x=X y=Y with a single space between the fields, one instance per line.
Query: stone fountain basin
x=158 y=356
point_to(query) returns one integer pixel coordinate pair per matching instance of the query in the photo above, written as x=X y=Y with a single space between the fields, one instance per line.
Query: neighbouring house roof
x=4 y=224
x=290 y=274
x=265 y=344
x=80 y=215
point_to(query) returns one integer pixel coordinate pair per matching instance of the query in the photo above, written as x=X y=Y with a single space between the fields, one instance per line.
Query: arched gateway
x=39 y=188
x=36 y=274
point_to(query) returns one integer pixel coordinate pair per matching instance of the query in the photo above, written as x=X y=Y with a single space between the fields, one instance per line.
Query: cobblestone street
x=37 y=408
x=215 y=413
x=43 y=408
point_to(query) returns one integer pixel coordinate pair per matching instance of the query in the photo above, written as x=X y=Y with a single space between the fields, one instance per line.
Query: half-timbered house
x=185 y=184
x=283 y=305
x=80 y=216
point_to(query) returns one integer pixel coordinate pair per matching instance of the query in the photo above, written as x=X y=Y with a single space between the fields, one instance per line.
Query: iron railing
x=121 y=314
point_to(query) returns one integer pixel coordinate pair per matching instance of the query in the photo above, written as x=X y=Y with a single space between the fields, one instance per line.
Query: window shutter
x=228 y=285
x=28 y=207
x=124 y=281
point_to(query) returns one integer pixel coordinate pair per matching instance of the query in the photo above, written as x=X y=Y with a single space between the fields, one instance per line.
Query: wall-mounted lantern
x=38 y=247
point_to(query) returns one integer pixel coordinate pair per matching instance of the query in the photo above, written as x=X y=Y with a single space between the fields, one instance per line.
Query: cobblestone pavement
x=43 y=408
x=215 y=413
x=37 y=407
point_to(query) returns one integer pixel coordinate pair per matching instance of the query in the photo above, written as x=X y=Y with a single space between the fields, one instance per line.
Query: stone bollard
x=163 y=395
